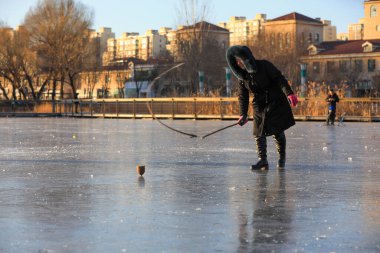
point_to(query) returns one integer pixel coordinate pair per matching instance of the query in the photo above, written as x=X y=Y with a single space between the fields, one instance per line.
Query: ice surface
x=64 y=194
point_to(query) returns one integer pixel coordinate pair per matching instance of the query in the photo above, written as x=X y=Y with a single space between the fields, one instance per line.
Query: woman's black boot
x=261 y=145
x=280 y=140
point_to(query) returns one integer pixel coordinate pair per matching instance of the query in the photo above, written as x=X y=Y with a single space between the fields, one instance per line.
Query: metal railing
x=355 y=109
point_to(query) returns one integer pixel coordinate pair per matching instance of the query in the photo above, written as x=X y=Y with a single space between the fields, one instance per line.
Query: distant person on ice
x=271 y=92
x=332 y=99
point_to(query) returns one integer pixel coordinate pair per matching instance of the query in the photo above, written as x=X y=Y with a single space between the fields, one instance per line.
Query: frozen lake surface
x=70 y=185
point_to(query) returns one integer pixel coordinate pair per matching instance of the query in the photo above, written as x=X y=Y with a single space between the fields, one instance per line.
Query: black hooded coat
x=272 y=112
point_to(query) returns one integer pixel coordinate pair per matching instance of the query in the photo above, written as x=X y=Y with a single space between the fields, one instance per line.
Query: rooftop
x=295 y=16
x=346 y=47
x=203 y=25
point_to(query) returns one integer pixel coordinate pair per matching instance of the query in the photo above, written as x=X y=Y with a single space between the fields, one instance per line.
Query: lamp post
x=88 y=85
x=105 y=88
x=96 y=80
x=303 y=79
x=228 y=81
x=201 y=82
x=118 y=83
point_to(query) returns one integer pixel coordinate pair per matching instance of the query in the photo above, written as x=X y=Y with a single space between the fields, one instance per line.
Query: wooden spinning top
x=140 y=169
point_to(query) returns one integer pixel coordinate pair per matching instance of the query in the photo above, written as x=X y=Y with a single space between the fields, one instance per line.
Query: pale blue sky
x=140 y=15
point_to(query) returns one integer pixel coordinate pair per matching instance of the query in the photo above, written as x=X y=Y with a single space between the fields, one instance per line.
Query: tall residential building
x=153 y=45
x=132 y=45
x=355 y=31
x=371 y=20
x=342 y=36
x=368 y=27
x=101 y=37
x=329 y=31
x=170 y=35
x=243 y=31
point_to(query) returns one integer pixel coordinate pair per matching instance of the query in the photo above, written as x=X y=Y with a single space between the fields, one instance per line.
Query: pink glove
x=293 y=100
x=242 y=120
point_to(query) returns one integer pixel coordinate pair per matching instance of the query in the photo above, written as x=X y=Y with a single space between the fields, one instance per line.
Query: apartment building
x=368 y=27
x=342 y=36
x=243 y=30
x=100 y=38
x=170 y=35
x=153 y=45
x=132 y=45
x=329 y=31
x=371 y=20
x=355 y=31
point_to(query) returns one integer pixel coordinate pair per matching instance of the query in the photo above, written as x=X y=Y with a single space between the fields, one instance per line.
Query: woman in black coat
x=271 y=96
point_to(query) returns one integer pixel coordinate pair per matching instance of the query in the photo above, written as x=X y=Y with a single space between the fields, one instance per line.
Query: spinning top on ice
x=140 y=169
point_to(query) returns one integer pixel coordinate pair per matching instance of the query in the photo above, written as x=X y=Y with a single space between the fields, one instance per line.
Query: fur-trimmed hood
x=244 y=53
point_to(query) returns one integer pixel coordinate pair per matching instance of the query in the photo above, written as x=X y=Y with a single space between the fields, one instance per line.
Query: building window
x=330 y=67
x=343 y=66
x=287 y=40
x=280 y=41
x=272 y=40
x=302 y=39
x=310 y=39
x=316 y=67
x=317 y=38
x=358 y=67
x=224 y=45
x=371 y=65
x=378 y=28
x=373 y=11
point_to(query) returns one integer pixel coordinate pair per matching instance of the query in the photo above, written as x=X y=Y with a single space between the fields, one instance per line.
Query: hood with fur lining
x=244 y=53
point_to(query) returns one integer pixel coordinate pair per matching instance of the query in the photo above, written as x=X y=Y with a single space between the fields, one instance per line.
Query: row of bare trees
x=52 y=46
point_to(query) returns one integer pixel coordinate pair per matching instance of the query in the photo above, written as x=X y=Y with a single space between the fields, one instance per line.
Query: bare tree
x=59 y=31
x=91 y=79
x=106 y=82
x=376 y=86
x=9 y=62
x=191 y=12
x=282 y=52
x=198 y=47
x=20 y=64
x=121 y=78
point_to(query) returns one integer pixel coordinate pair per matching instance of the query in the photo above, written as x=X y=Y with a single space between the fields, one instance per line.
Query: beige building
x=368 y=27
x=132 y=45
x=242 y=30
x=355 y=31
x=153 y=45
x=342 y=36
x=371 y=20
x=200 y=30
x=101 y=37
x=329 y=31
x=169 y=34
x=356 y=61
x=293 y=31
